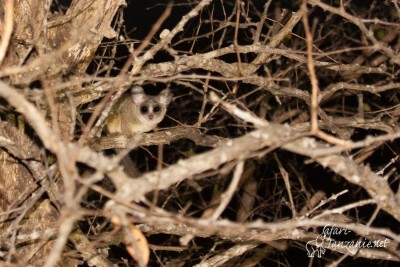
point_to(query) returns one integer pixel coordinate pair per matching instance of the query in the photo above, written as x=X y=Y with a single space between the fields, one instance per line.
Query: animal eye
x=157 y=109
x=144 y=109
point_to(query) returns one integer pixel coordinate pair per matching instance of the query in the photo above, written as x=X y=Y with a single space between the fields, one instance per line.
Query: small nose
x=151 y=116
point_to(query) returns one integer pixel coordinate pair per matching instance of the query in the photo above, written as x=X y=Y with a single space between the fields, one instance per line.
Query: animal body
x=134 y=113
x=137 y=112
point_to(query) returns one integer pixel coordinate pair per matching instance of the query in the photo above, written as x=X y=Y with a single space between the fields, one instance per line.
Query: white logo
x=327 y=240
x=315 y=246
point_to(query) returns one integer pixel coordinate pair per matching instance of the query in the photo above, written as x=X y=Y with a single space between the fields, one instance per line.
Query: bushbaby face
x=150 y=109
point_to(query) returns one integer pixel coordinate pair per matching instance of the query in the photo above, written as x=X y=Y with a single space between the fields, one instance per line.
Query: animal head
x=150 y=109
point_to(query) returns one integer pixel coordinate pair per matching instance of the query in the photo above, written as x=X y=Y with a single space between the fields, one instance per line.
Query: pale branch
x=249 y=146
x=264 y=232
x=371 y=88
x=8 y=28
x=351 y=123
x=209 y=61
x=160 y=137
x=227 y=255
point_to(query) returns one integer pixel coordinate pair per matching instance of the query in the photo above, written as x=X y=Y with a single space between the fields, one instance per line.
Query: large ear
x=137 y=94
x=165 y=96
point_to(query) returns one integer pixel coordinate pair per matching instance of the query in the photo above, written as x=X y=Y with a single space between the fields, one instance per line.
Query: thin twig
x=311 y=71
x=228 y=194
